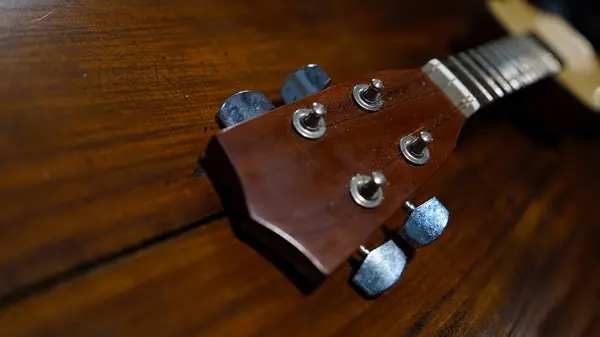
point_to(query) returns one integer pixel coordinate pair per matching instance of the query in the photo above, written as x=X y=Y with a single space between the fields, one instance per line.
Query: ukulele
x=312 y=179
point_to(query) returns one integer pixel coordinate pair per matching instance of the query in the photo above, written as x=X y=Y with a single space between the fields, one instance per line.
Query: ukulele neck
x=477 y=77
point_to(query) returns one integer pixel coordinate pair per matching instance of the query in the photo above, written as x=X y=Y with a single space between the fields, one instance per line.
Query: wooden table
x=106 y=106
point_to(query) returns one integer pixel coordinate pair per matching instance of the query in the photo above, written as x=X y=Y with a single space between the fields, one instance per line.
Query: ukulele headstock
x=314 y=178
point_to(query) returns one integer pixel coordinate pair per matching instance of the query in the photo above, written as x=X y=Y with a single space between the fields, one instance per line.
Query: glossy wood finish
x=105 y=109
x=298 y=189
x=518 y=258
x=107 y=244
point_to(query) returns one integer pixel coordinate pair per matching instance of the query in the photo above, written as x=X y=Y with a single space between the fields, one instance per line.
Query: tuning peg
x=243 y=106
x=367 y=191
x=380 y=268
x=414 y=149
x=425 y=223
x=368 y=96
x=303 y=82
x=309 y=123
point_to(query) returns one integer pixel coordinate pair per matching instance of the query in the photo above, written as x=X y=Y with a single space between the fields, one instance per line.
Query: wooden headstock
x=293 y=193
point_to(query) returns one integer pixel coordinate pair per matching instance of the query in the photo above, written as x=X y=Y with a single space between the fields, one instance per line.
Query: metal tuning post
x=369 y=97
x=414 y=149
x=367 y=191
x=310 y=123
x=302 y=161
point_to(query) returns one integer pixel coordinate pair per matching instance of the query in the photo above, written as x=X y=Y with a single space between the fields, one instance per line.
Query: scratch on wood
x=45 y=15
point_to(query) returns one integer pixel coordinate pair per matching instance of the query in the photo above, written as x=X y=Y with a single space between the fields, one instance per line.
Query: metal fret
x=481 y=74
x=471 y=79
x=489 y=72
x=492 y=71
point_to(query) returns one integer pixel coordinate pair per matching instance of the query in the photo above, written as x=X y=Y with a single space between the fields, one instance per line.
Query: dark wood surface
x=105 y=107
x=297 y=189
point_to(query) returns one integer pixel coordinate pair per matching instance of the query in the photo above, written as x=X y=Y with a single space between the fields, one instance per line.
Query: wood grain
x=101 y=225
x=297 y=189
x=105 y=107
x=507 y=269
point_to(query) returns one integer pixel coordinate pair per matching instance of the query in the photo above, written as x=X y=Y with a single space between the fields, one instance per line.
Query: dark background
x=105 y=107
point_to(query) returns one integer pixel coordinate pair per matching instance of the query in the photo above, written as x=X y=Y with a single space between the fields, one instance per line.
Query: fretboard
x=479 y=76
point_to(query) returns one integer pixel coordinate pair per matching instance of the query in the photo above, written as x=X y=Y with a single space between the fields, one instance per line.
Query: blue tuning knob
x=303 y=82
